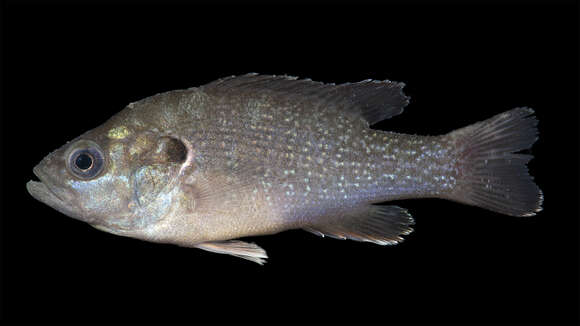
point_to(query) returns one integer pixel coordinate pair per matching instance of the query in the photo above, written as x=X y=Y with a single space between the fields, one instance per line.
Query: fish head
x=116 y=178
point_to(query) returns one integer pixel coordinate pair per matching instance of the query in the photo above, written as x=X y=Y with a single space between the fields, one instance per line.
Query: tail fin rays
x=493 y=176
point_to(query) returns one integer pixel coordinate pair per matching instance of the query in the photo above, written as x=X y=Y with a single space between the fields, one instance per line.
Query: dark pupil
x=84 y=161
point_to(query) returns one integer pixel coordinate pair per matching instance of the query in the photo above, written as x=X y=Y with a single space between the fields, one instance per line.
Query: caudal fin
x=491 y=175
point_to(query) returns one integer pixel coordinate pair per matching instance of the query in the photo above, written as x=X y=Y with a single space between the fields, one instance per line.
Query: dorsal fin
x=373 y=100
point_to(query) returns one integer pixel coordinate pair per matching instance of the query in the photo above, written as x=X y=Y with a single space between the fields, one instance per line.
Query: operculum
x=153 y=185
x=155 y=180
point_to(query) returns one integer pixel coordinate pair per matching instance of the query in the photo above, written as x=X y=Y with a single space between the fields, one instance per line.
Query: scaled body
x=254 y=155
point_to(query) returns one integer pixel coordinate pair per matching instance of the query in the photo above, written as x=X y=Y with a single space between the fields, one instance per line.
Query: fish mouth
x=43 y=191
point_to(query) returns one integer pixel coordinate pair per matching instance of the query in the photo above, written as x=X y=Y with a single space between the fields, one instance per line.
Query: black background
x=67 y=68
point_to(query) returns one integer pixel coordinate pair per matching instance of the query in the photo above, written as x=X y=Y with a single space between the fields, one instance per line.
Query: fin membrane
x=245 y=250
x=493 y=176
x=373 y=100
x=383 y=225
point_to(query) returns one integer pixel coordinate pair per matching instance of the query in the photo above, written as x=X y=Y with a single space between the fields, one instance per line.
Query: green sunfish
x=256 y=154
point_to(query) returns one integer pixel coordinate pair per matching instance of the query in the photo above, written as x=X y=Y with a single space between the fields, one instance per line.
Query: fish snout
x=51 y=191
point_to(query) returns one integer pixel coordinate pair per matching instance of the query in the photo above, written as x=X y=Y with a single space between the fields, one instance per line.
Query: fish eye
x=86 y=163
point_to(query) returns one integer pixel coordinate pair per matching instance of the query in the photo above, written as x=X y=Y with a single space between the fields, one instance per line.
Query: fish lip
x=45 y=185
x=47 y=192
x=42 y=193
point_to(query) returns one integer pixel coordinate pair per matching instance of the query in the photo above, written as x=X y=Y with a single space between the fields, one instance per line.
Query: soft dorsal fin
x=373 y=100
x=245 y=250
x=383 y=225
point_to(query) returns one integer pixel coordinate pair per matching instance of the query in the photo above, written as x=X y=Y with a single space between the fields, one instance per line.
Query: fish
x=255 y=154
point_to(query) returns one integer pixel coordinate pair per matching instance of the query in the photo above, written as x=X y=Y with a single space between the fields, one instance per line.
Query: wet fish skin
x=254 y=155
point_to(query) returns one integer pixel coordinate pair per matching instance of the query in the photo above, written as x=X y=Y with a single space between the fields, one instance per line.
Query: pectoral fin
x=383 y=225
x=245 y=250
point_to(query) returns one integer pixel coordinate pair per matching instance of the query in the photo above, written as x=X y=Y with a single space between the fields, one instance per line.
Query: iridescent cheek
x=140 y=145
x=116 y=154
x=119 y=132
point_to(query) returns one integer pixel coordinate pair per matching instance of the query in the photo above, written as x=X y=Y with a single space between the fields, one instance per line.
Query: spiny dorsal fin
x=245 y=250
x=383 y=225
x=373 y=100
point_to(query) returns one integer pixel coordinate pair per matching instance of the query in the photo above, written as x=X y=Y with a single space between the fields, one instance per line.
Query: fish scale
x=368 y=166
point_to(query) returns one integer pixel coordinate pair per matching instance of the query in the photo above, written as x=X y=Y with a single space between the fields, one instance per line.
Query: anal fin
x=241 y=249
x=383 y=225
